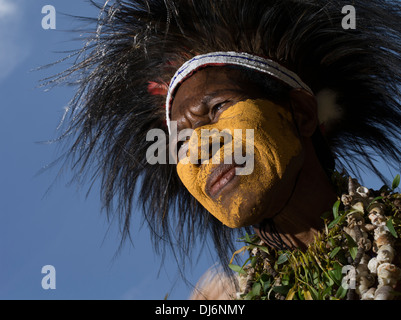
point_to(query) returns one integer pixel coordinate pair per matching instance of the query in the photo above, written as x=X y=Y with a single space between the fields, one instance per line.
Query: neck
x=300 y=220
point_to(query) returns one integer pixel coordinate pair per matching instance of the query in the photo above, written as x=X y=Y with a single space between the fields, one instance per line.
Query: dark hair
x=137 y=41
x=278 y=92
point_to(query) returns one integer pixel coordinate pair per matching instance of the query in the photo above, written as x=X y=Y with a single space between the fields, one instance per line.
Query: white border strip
x=232 y=58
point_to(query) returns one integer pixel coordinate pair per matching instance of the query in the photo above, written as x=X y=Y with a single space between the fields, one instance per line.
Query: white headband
x=231 y=58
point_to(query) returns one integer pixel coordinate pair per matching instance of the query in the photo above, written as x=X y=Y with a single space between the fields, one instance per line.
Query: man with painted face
x=309 y=90
x=286 y=174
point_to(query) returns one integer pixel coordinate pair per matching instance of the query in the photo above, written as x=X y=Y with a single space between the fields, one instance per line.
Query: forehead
x=211 y=77
x=209 y=80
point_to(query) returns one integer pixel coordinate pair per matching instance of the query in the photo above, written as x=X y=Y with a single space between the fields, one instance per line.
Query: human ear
x=304 y=107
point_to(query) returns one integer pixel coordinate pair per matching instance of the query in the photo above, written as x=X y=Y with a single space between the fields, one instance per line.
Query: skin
x=239 y=200
x=203 y=98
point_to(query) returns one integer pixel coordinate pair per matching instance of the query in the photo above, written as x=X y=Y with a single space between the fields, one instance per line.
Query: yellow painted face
x=237 y=198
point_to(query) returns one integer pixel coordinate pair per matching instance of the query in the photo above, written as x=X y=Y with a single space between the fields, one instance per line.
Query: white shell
x=384 y=293
x=350 y=232
x=372 y=265
x=346 y=199
x=388 y=274
x=377 y=218
x=365 y=282
x=352 y=186
x=362 y=191
x=369 y=295
x=376 y=208
x=358 y=206
x=385 y=254
x=365 y=243
x=379 y=231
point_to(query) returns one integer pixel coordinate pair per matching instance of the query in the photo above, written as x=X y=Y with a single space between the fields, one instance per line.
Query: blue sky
x=60 y=226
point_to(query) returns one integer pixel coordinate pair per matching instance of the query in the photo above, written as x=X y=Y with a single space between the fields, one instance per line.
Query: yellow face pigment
x=274 y=144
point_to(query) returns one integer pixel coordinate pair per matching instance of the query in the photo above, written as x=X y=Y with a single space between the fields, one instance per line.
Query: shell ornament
x=356 y=257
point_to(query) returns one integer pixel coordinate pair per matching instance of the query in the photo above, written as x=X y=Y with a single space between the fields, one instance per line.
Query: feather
x=137 y=42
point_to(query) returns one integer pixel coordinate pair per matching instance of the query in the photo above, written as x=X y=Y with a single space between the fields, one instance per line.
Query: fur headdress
x=137 y=46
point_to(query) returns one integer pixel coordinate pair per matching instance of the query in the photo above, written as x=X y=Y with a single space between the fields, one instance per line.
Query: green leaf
x=336 y=274
x=336 y=206
x=282 y=289
x=396 y=182
x=327 y=291
x=334 y=252
x=334 y=222
x=253 y=262
x=329 y=282
x=352 y=246
x=307 y=295
x=290 y=294
x=373 y=201
x=314 y=277
x=285 y=279
x=353 y=252
x=264 y=249
x=391 y=228
x=249 y=296
x=282 y=258
x=300 y=294
x=264 y=277
x=266 y=286
x=315 y=293
x=236 y=268
x=256 y=289
x=266 y=282
x=341 y=292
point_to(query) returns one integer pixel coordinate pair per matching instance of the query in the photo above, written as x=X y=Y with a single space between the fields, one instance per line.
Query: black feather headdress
x=354 y=73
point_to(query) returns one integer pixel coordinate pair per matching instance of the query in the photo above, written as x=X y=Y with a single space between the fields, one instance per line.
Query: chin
x=245 y=207
x=254 y=199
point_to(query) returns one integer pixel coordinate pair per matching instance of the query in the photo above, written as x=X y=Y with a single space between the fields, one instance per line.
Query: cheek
x=274 y=144
x=275 y=140
x=194 y=180
x=189 y=175
x=274 y=149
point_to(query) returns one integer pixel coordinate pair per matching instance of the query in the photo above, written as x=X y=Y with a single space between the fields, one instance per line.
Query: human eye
x=218 y=107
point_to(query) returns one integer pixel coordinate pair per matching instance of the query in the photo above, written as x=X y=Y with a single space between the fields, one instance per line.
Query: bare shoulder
x=214 y=285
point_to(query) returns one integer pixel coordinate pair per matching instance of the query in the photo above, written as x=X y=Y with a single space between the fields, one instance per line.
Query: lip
x=221 y=175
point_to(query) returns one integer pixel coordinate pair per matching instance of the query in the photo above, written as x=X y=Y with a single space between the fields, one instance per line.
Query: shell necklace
x=353 y=258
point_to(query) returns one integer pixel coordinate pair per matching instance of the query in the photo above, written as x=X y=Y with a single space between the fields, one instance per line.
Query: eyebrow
x=210 y=96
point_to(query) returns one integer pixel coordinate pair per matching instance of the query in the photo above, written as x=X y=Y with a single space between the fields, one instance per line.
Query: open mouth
x=220 y=177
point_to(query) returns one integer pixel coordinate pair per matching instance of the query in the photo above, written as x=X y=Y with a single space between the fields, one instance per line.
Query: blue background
x=59 y=225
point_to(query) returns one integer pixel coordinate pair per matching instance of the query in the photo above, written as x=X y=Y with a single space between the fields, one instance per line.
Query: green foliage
x=316 y=273
x=391 y=228
x=396 y=182
x=298 y=275
x=236 y=268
